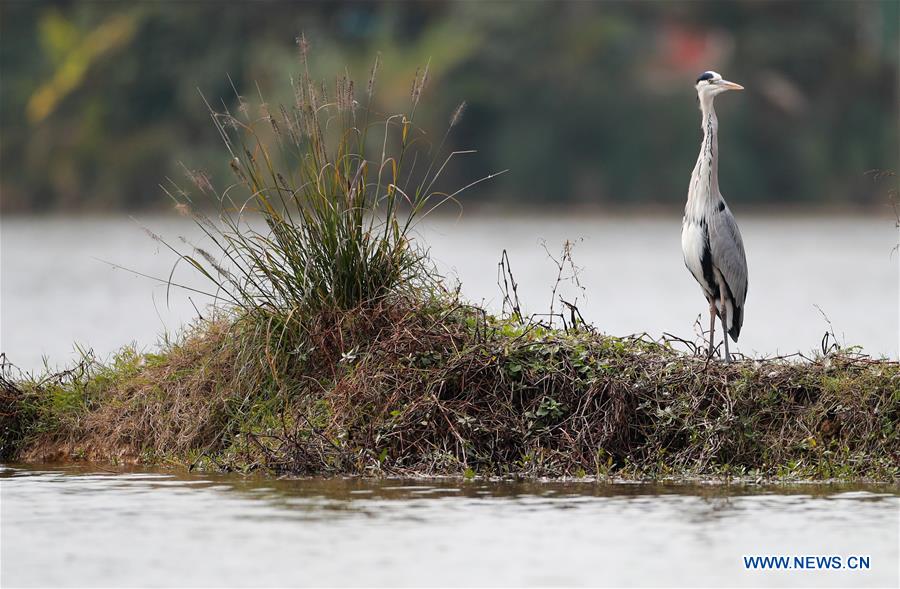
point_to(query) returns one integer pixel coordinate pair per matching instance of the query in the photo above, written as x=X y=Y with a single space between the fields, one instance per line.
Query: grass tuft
x=339 y=188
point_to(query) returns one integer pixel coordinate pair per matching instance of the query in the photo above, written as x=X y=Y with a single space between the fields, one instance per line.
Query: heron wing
x=727 y=248
x=695 y=248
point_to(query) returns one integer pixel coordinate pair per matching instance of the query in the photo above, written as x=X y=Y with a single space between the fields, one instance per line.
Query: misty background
x=586 y=103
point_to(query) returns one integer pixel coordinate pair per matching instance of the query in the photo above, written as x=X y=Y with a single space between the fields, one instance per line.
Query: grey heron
x=710 y=239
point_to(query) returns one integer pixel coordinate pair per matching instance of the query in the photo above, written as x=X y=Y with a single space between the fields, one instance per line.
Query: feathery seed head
x=289 y=125
x=370 y=88
x=211 y=261
x=200 y=179
x=152 y=235
x=457 y=114
x=302 y=47
x=419 y=85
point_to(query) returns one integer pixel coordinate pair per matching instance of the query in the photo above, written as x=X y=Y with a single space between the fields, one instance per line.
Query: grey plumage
x=727 y=248
x=710 y=239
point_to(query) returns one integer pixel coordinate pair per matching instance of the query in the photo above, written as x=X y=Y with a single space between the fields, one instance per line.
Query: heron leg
x=725 y=339
x=712 y=327
x=725 y=327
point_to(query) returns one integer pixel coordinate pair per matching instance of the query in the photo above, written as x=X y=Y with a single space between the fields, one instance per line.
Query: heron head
x=711 y=84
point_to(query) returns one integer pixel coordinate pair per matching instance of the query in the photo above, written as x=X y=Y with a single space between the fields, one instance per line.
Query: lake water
x=90 y=527
x=57 y=290
x=85 y=526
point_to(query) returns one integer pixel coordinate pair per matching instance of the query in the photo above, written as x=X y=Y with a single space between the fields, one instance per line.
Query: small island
x=336 y=349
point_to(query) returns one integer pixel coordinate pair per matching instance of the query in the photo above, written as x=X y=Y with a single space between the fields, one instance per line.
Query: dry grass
x=140 y=405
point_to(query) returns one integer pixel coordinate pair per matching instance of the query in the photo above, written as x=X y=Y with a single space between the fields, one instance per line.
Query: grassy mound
x=441 y=388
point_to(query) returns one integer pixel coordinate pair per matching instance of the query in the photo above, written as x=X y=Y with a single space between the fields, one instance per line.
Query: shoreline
x=414 y=389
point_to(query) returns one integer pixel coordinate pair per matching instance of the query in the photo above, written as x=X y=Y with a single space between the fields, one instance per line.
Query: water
x=82 y=526
x=88 y=527
x=56 y=291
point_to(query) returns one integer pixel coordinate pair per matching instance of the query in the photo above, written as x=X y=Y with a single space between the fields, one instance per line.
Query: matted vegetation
x=405 y=387
x=336 y=349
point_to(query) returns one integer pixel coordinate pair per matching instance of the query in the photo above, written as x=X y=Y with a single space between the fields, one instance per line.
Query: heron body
x=710 y=239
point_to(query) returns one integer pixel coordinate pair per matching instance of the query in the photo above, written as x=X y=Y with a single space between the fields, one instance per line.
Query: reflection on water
x=82 y=526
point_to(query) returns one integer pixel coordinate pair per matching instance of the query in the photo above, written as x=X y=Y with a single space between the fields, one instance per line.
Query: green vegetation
x=100 y=100
x=336 y=349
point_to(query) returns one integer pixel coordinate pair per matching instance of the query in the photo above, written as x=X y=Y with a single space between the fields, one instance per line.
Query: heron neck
x=707 y=169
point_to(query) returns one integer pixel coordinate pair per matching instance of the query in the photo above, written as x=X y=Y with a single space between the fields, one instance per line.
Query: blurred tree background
x=587 y=103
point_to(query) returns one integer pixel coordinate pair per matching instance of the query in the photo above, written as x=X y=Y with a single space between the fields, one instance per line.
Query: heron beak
x=730 y=85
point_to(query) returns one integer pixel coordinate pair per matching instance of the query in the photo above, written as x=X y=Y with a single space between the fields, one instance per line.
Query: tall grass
x=340 y=188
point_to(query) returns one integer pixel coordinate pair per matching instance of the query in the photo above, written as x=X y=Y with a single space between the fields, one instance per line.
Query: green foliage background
x=584 y=102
